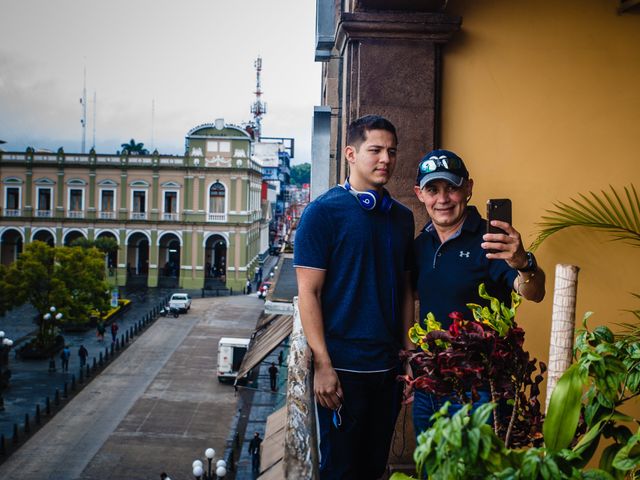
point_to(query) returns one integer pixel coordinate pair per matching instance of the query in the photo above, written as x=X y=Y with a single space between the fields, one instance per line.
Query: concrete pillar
x=391 y=66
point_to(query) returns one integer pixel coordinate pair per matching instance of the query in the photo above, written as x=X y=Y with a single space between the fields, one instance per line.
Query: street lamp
x=49 y=327
x=47 y=316
x=198 y=467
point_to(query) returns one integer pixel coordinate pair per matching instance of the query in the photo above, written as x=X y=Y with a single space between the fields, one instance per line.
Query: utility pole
x=95 y=108
x=83 y=120
x=153 y=119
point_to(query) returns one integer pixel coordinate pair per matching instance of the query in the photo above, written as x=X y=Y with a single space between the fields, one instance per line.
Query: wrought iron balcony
x=138 y=215
x=75 y=214
x=171 y=217
x=217 y=217
x=44 y=213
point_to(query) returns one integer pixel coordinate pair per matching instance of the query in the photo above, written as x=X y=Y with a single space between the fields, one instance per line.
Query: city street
x=156 y=408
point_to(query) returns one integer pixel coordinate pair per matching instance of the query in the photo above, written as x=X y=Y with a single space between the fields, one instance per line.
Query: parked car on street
x=180 y=302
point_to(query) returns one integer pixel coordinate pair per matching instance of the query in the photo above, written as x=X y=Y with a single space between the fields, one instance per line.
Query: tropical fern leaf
x=616 y=214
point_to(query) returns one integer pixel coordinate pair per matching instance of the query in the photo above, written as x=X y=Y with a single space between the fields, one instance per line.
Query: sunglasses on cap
x=431 y=164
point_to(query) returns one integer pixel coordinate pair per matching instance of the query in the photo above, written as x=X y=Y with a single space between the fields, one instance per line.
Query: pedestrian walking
x=248 y=286
x=280 y=358
x=65 y=354
x=273 y=376
x=83 y=353
x=254 y=451
x=100 y=331
x=114 y=331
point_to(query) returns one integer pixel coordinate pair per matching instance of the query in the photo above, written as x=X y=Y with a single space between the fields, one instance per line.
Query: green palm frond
x=616 y=214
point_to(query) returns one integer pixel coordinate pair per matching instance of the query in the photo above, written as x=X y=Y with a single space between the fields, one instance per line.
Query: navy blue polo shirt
x=365 y=254
x=448 y=274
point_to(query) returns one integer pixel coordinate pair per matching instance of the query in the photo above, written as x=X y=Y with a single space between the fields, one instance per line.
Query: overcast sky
x=192 y=59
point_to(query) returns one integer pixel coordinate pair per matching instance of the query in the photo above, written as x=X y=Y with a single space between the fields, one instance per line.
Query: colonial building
x=189 y=222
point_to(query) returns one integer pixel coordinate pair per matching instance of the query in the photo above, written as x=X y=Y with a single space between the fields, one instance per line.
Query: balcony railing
x=75 y=214
x=217 y=217
x=138 y=215
x=44 y=213
x=171 y=217
x=107 y=215
x=12 y=212
x=301 y=439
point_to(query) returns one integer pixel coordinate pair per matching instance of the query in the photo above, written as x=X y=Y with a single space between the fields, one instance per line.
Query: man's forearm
x=531 y=285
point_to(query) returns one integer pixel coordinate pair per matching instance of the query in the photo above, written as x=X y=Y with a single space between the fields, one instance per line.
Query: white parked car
x=180 y=301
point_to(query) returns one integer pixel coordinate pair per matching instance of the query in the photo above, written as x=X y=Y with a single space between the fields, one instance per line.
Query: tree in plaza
x=70 y=278
x=4 y=299
x=83 y=273
x=134 y=148
x=301 y=174
x=104 y=244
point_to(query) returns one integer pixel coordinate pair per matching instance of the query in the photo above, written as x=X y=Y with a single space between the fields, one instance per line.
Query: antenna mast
x=258 y=108
x=83 y=120
x=153 y=118
x=95 y=108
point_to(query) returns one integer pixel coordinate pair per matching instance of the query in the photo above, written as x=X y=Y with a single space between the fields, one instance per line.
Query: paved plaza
x=156 y=408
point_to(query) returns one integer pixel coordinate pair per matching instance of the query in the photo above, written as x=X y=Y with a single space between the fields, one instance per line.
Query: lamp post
x=48 y=331
x=198 y=467
x=5 y=373
x=52 y=314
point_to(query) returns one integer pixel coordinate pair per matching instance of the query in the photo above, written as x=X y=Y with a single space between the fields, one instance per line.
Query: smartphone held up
x=498 y=209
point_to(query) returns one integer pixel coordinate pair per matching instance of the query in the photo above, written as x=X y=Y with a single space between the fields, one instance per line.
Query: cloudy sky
x=188 y=61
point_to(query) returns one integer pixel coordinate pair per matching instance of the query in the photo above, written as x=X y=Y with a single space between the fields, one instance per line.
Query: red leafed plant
x=483 y=353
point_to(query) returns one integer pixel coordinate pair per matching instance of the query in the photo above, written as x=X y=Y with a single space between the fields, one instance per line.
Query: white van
x=231 y=351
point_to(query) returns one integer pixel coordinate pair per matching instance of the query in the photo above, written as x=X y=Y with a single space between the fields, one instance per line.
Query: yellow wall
x=542 y=100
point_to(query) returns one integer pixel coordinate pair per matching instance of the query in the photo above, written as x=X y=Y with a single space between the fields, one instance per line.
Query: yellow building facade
x=541 y=100
x=191 y=222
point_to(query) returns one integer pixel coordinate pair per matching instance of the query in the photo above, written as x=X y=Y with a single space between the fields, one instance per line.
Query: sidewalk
x=31 y=382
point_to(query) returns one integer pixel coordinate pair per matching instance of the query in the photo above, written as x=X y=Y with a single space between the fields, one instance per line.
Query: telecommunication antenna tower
x=258 y=108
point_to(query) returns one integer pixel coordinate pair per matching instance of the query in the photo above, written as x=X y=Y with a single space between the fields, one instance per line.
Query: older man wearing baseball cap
x=454 y=255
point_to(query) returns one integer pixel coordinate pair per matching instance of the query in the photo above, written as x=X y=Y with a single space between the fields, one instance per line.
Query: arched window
x=216 y=198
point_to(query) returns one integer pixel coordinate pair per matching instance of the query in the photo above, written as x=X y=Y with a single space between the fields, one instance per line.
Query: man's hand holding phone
x=502 y=241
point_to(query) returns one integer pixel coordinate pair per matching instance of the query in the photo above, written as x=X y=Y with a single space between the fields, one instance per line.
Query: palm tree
x=134 y=148
x=617 y=214
x=611 y=212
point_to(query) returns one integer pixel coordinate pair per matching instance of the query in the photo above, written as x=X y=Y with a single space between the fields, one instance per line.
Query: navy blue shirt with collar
x=448 y=274
x=365 y=254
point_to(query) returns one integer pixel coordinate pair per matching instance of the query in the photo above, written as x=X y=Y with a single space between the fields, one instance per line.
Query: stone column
x=391 y=66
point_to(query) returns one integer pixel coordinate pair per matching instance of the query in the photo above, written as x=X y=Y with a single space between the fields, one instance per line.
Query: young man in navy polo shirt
x=352 y=259
x=452 y=257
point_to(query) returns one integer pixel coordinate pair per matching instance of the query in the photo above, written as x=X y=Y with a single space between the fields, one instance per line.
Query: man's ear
x=418 y=192
x=350 y=153
x=469 y=192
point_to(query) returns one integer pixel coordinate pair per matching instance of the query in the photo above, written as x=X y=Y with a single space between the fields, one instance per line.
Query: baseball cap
x=441 y=165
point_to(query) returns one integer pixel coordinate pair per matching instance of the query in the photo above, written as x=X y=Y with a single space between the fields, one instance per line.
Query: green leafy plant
x=614 y=212
x=608 y=367
x=485 y=353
